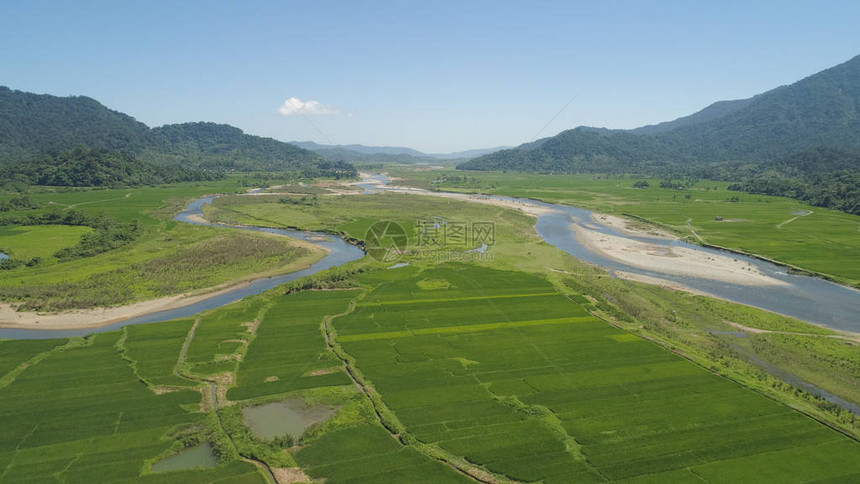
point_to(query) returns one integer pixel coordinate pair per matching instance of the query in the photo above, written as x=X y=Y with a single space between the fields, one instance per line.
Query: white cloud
x=295 y=106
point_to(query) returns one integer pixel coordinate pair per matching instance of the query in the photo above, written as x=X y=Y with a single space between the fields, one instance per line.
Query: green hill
x=820 y=110
x=88 y=167
x=35 y=125
x=221 y=146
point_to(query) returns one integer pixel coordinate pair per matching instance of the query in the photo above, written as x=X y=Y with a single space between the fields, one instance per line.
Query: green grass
x=583 y=397
x=129 y=204
x=26 y=242
x=147 y=270
x=369 y=454
x=169 y=258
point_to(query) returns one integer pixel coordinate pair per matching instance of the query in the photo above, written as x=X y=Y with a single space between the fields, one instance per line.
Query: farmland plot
x=566 y=397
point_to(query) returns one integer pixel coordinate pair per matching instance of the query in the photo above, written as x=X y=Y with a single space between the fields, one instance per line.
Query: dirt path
x=847 y=336
x=783 y=224
x=127 y=195
x=693 y=231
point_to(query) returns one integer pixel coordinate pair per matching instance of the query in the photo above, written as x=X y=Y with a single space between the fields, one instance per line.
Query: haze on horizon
x=437 y=77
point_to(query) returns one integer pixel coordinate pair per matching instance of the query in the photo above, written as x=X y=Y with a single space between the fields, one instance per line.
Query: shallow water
x=810 y=299
x=201 y=455
x=793 y=380
x=287 y=417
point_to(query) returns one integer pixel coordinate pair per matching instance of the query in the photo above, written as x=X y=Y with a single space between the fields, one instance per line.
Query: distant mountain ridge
x=822 y=110
x=387 y=154
x=34 y=125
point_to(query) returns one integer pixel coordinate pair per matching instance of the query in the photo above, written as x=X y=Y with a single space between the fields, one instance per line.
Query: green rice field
x=567 y=398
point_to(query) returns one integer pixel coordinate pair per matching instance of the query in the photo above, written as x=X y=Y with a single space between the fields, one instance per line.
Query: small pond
x=291 y=417
x=200 y=455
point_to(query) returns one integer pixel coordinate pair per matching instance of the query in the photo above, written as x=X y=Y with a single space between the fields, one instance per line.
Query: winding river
x=339 y=253
x=806 y=298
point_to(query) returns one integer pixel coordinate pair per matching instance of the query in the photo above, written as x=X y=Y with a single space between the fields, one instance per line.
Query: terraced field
x=494 y=367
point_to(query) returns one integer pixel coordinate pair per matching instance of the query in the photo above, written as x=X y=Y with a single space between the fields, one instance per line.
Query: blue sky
x=437 y=76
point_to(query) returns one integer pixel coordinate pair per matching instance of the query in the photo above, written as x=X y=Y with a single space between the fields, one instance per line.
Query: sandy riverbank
x=629 y=227
x=93 y=318
x=97 y=317
x=659 y=258
x=529 y=209
x=679 y=261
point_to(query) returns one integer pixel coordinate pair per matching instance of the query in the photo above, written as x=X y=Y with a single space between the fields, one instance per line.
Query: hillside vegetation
x=35 y=125
x=820 y=110
x=89 y=167
x=798 y=141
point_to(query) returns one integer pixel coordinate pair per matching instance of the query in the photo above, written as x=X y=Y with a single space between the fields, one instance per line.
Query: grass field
x=823 y=241
x=169 y=258
x=566 y=396
x=40 y=241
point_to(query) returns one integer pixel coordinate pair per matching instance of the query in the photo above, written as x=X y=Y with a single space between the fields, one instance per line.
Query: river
x=810 y=299
x=339 y=253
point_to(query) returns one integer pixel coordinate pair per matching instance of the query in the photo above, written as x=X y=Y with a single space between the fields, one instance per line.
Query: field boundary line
x=10 y=377
x=455 y=299
x=571 y=445
x=18 y=448
x=469 y=328
x=388 y=419
x=783 y=224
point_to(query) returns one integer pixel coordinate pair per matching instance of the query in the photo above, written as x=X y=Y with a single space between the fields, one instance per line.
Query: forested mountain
x=35 y=125
x=89 y=167
x=820 y=110
x=221 y=146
